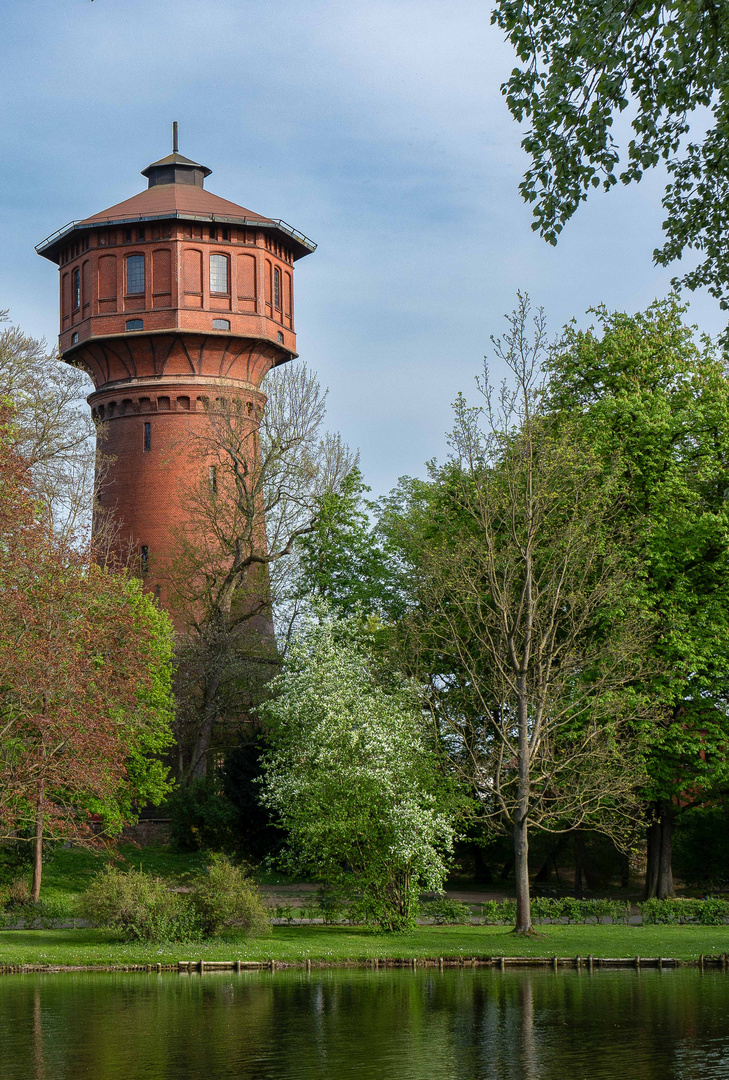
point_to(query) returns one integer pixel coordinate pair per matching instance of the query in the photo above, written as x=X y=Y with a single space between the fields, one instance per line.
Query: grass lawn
x=294 y=944
x=70 y=870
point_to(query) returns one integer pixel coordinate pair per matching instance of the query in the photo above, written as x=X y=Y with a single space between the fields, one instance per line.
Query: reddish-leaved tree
x=85 y=667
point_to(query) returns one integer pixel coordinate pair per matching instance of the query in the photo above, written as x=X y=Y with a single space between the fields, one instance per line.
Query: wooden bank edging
x=192 y=967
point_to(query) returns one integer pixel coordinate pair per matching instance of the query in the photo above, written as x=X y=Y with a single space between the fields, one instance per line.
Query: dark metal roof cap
x=176 y=169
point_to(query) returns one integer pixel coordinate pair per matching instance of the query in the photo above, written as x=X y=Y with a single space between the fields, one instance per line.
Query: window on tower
x=218 y=273
x=135 y=275
x=76 y=289
x=145 y=559
x=277 y=288
x=221 y=324
x=134 y=324
x=147 y=437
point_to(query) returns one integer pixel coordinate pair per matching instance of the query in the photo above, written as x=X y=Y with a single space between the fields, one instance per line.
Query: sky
x=376 y=128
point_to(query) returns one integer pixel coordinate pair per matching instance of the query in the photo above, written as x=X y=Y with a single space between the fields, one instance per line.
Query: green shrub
x=15 y=894
x=712 y=911
x=225 y=899
x=498 y=911
x=141 y=907
x=446 y=912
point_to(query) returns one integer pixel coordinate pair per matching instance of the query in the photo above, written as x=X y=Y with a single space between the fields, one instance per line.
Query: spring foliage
x=352 y=776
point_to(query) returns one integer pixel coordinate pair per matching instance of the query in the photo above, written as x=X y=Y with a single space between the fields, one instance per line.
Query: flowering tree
x=85 y=670
x=352 y=777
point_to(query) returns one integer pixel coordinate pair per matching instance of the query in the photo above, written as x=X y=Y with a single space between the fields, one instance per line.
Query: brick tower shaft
x=170 y=300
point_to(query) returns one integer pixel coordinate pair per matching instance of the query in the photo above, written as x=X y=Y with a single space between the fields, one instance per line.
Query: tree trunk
x=521 y=868
x=521 y=822
x=579 y=846
x=38 y=848
x=199 y=763
x=653 y=855
x=665 y=870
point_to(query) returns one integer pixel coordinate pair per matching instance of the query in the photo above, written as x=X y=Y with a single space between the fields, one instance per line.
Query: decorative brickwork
x=170 y=299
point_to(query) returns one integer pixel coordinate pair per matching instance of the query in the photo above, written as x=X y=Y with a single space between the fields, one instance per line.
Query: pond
x=466 y=1024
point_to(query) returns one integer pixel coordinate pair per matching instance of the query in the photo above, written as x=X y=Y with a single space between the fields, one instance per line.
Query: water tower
x=170 y=299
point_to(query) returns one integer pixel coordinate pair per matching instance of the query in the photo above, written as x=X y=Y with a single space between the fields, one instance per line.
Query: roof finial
x=174 y=136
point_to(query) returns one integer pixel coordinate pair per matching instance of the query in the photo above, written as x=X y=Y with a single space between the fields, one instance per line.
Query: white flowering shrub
x=352 y=777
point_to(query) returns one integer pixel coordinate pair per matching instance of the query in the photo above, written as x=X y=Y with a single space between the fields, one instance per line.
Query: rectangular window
x=76 y=289
x=213 y=233
x=145 y=559
x=140 y=234
x=135 y=275
x=225 y=234
x=213 y=476
x=134 y=324
x=128 y=237
x=219 y=273
x=277 y=288
x=221 y=324
x=147 y=437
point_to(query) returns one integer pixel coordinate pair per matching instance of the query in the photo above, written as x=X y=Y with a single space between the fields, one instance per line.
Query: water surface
x=471 y=1024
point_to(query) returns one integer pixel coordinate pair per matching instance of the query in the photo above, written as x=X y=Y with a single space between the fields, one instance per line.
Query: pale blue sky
x=376 y=128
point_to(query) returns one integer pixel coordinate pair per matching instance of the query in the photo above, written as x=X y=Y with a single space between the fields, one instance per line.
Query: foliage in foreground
x=142 y=907
x=352 y=776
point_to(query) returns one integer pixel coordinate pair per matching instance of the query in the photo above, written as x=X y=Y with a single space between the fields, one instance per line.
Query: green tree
x=663 y=63
x=646 y=394
x=345 y=560
x=351 y=774
x=523 y=619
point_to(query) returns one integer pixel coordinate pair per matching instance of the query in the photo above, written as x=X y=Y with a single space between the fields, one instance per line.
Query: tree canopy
x=662 y=63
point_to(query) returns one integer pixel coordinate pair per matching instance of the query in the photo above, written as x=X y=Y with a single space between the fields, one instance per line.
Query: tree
x=256 y=490
x=351 y=774
x=665 y=63
x=523 y=616
x=344 y=560
x=644 y=392
x=85 y=675
x=53 y=429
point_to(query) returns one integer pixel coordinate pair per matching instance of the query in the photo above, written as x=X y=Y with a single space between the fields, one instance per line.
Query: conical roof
x=175 y=199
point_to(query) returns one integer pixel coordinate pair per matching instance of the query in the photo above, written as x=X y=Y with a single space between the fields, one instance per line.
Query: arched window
x=135 y=275
x=277 y=288
x=218 y=273
x=76 y=289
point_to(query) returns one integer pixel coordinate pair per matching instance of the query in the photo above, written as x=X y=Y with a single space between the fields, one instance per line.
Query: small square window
x=221 y=324
x=134 y=324
x=74 y=338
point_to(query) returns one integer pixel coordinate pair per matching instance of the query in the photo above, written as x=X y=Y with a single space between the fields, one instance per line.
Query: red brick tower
x=170 y=298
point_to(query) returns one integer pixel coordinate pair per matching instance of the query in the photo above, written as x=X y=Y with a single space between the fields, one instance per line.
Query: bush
x=15 y=894
x=711 y=911
x=225 y=899
x=144 y=908
x=141 y=907
x=446 y=912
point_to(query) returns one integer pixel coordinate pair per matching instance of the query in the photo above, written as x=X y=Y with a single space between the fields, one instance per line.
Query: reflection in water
x=332 y=1025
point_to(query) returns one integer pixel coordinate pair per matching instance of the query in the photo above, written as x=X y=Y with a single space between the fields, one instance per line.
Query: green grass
x=289 y=944
x=70 y=870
